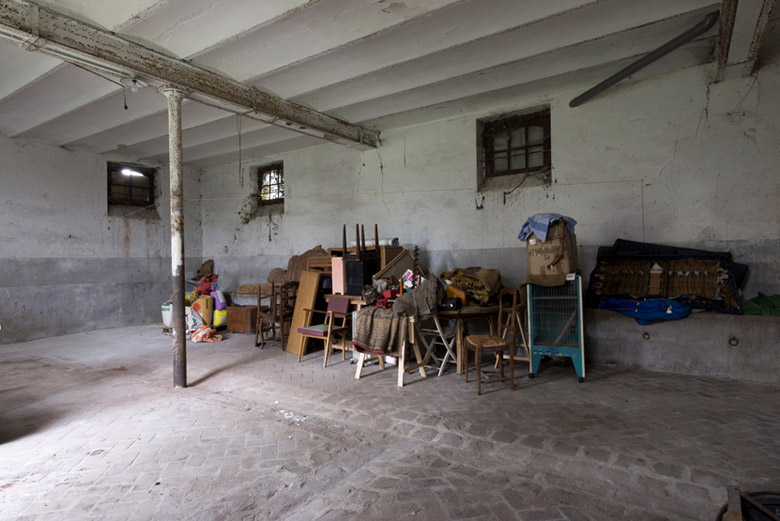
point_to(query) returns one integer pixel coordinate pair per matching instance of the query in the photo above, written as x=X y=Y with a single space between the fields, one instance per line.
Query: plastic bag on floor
x=206 y=334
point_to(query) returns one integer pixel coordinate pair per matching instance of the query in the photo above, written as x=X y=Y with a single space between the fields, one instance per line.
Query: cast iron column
x=175 y=95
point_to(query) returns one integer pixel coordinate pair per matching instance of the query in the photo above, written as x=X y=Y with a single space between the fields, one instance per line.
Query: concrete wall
x=673 y=160
x=67 y=265
x=731 y=346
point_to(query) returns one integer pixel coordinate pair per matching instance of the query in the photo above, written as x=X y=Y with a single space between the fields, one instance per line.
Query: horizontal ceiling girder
x=41 y=29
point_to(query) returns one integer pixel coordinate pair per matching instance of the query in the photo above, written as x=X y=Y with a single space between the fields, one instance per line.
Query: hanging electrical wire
x=240 y=172
x=124 y=94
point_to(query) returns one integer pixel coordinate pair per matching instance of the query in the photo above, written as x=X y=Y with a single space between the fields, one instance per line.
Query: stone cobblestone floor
x=91 y=428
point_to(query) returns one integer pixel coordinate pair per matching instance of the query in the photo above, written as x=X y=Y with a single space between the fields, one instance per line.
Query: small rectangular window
x=130 y=184
x=517 y=144
x=271 y=184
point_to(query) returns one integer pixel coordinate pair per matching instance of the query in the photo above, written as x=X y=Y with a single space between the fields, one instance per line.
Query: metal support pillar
x=175 y=96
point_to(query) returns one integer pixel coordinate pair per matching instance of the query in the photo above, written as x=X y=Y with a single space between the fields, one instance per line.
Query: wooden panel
x=388 y=253
x=319 y=263
x=307 y=296
x=397 y=267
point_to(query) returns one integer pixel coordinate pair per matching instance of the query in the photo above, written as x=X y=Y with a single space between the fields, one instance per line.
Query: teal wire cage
x=555 y=324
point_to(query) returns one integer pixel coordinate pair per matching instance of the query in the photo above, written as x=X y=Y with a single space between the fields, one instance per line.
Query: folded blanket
x=479 y=284
x=423 y=301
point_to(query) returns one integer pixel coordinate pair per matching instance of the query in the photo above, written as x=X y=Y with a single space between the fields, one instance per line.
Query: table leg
x=459 y=346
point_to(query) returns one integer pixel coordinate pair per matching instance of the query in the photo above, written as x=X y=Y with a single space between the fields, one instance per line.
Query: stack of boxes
x=554 y=258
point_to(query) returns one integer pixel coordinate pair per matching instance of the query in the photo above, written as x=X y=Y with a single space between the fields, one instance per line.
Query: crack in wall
x=705 y=113
x=663 y=169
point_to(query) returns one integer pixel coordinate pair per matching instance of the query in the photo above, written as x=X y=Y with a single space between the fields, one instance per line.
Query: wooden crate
x=396 y=268
x=319 y=263
x=241 y=319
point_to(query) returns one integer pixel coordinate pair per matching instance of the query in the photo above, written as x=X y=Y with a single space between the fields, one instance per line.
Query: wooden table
x=462 y=316
x=355 y=300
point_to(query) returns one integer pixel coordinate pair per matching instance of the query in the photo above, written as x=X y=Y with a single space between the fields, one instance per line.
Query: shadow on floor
x=215 y=372
x=22 y=421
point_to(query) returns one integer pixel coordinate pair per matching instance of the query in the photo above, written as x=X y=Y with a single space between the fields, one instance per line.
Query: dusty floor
x=91 y=428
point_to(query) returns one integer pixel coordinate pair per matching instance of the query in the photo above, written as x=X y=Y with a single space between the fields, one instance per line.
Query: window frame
x=488 y=128
x=147 y=172
x=261 y=172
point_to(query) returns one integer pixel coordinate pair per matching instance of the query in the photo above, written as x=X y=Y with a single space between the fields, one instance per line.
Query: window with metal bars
x=516 y=144
x=131 y=185
x=271 y=184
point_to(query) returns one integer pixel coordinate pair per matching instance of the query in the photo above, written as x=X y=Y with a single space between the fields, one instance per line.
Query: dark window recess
x=130 y=184
x=517 y=144
x=271 y=184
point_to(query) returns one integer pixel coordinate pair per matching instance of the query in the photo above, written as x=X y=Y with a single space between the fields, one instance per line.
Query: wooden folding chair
x=521 y=342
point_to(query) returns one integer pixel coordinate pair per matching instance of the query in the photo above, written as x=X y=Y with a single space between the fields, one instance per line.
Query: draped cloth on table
x=377 y=330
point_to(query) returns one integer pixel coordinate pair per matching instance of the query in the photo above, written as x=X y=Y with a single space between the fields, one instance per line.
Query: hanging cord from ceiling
x=124 y=88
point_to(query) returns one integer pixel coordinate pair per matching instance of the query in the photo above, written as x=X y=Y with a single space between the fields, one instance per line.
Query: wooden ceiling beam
x=38 y=28
x=743 y=26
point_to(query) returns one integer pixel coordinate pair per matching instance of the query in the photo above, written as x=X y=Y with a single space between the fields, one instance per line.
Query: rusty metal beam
x=38 y=28
x=175 y=96
x=692 y=33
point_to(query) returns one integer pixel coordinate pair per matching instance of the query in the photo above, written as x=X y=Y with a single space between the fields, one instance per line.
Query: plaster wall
x=675 y=160
x=67 y=265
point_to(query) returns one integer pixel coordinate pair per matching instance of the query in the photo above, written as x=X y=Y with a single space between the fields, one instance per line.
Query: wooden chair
x=522 y=340
x=337 y=309
x=503 y=341
x=275 y=304
x=265 y=320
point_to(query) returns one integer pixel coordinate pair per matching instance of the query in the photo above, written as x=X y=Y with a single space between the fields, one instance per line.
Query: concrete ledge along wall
x=67 y=265
x=675 y=160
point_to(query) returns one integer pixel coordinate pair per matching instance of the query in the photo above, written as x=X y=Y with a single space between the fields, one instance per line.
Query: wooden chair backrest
x=507 y=324
x=339 y=305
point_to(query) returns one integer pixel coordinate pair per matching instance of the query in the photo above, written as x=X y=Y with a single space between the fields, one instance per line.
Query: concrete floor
x=90 y=428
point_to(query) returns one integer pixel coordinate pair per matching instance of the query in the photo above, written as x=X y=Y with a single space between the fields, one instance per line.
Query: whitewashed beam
x=41 y=29
x=743 y=26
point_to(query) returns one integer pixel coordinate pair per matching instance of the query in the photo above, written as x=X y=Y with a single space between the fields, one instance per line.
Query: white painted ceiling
x=376 y=63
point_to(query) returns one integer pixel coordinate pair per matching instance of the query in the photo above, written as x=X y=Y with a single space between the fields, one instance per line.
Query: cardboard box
x=205 y=307
x=241 y=319
x=556 y=256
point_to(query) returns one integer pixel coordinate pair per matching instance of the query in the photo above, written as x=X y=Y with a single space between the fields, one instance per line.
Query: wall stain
x=126 y=241
x=148 y=236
